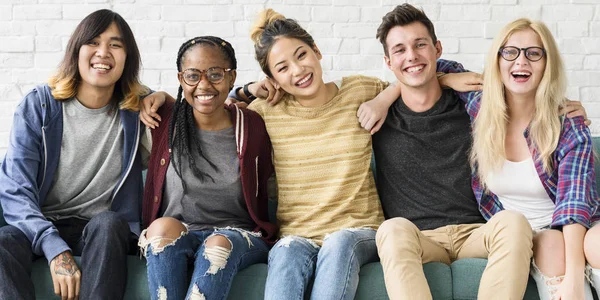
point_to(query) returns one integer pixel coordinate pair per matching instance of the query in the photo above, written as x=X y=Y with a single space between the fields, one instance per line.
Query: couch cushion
x=137 y=285
x=466 y=274
x=250 y=282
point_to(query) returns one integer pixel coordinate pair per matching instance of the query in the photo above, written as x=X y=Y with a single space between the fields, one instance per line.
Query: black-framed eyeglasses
x=511 y=53
x=193 y=76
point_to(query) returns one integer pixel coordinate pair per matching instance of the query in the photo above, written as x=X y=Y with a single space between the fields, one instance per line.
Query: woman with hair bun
x=328 y=207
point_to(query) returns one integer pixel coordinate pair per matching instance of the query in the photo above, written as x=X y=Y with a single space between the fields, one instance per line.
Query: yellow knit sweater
x=322 y=161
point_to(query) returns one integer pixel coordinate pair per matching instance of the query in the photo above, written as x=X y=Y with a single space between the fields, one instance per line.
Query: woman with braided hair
x=206 y=181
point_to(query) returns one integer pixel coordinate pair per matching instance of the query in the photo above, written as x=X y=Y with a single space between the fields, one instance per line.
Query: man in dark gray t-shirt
x=423 y=177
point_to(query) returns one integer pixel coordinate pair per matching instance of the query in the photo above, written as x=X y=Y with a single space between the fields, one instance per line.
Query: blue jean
x=103 y=243
x=335 y=265
x=169 y=268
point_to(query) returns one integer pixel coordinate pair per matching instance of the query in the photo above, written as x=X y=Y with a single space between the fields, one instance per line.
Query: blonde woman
x=529 y=158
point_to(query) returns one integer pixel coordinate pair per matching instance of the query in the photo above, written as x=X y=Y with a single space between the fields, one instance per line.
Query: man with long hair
x=71 y=182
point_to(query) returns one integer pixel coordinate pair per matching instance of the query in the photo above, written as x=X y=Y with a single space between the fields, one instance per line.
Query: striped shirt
x=322 y=160
x=571 y=184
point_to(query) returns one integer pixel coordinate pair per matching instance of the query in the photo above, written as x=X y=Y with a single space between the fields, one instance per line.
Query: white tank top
x=519 y=188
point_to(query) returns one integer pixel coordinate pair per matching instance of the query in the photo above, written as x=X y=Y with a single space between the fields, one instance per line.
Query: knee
x=218 y=240
x=338 y=238
x=166 y=227
x=290 y=247
x=549 y=242
x=9 y=234
x=11 y=238
x=108 y=221
x=591 y=244
x=549 y=252
x=512 y=224
x=160 y=234
x=394 y=229
x=217 y=249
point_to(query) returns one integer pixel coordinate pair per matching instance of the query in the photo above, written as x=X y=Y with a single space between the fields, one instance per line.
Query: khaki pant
x=506 y=241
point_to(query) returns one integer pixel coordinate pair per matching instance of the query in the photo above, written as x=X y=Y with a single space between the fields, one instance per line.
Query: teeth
x=101 y=66
x=301 y=82
x=414 y=69
x=204 y=97
x=521 y=73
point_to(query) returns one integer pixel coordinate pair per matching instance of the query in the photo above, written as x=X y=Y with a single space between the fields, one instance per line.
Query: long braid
x=182 y=127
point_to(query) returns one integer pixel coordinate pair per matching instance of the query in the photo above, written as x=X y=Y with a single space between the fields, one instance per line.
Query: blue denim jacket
x=30 y=163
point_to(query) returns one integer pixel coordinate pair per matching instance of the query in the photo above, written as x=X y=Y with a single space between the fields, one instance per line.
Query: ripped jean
x=294 y=260
x=169 y=267
x=548 y=286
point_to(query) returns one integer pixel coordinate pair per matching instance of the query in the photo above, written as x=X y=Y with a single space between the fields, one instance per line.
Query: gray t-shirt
x=90 y=162
x=422 y=163
x=207 y=204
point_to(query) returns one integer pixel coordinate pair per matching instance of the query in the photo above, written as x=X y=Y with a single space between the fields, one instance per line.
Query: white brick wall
x=34 y=33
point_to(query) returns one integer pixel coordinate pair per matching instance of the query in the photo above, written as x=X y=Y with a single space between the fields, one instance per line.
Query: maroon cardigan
x=256 y=166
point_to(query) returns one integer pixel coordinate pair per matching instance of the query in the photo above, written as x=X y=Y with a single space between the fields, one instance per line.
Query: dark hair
x=128 y=87
x=403 y=14
x=182 y=128
x=270 y=26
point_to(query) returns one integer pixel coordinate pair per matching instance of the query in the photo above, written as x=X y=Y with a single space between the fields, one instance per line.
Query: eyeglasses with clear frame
x=511 y=53
x=193 y=76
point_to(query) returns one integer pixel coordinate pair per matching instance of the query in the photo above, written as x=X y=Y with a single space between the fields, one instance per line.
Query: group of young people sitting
x=498 y=166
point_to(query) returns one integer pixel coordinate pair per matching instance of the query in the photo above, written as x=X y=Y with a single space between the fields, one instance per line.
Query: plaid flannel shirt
x=571 y=184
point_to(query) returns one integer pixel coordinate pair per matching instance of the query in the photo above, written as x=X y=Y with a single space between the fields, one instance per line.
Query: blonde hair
x=489 y=133
x=268 y=27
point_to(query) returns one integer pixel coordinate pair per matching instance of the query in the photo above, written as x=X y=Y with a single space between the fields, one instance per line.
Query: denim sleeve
x=233 y=93
x=19 y=189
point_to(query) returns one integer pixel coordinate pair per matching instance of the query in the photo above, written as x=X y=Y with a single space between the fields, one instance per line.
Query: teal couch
x=459 y=281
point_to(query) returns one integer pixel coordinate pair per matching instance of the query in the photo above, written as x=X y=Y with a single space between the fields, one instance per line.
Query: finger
x=361 y=116
x=148 y=121
x=56 y=284
x=77 y=287
x=147 y=104
x=587 y=122
x=278 y=95
x=71 y=289
x=64 y=289
x=573 y=102
x=365 y=122
x=270 y=91
x=370 y=123
x=376 y=127
x=155 y=105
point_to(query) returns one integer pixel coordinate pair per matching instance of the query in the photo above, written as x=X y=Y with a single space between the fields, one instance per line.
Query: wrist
x=247 y=92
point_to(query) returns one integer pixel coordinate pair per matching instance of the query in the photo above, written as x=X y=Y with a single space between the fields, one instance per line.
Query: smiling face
x=412 y=55
x=296 y=67
x=102 y=60
x=206 y=97
x=521 y=76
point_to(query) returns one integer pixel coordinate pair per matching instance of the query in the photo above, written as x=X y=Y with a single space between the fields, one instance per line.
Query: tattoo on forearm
x=65 y=265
